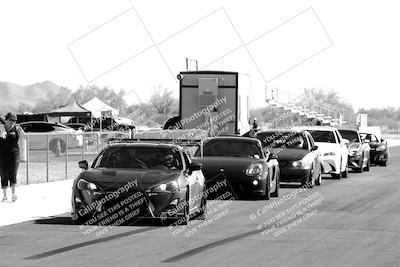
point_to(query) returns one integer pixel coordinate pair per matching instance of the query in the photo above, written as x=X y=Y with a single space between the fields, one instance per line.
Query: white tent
x=96 y=106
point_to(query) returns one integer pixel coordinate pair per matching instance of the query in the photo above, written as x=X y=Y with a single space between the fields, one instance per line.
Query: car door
x=194 y=186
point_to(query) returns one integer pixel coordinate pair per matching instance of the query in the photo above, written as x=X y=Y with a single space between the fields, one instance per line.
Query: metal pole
x=66 y=159
x=27 y=158
x=47 y=159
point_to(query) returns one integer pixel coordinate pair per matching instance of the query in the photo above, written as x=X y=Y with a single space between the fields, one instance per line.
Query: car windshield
x=352 y=136
x=323 y=136
x=139 y=158
x=279 y=139
x=230 y=148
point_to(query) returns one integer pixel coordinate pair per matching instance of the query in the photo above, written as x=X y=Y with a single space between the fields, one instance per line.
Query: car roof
x=145 y=144
x=44 y=122
x=316 y=128
x=233 y=137
x=294 y=130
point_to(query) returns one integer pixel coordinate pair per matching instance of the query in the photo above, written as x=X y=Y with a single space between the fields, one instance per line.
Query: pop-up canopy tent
x=98 y=107
x=72 y=109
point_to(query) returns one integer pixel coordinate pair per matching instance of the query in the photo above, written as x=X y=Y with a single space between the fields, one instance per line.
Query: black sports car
x=134 y=180
x=297 y=154
x=241 y=163
x=379 y=149
x=359 y=151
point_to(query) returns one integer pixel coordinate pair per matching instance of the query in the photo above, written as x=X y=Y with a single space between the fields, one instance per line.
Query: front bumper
x=290 y=174
x=379 y=156
x=330 y=164
x=239 y=184
x=355 y=161
x=100 y=208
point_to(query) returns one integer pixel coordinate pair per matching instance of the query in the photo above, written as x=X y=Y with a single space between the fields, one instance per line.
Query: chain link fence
x=47 y=157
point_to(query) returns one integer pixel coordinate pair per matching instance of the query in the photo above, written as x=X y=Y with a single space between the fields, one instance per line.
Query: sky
x=351 y=47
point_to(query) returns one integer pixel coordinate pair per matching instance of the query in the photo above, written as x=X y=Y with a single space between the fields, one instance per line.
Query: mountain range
x=18 y=98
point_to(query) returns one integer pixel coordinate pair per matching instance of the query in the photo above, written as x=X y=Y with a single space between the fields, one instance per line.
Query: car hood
x=327 y=147
x=112 y=179
x=290 y=154
x=232 y=166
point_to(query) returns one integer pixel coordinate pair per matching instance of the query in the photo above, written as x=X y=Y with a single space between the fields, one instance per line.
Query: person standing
x=9 y=154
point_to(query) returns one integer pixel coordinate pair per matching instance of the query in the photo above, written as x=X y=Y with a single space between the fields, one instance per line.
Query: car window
x=373 y=138
x=323 y=136
x=352 y=136
x=338 y=137
x=139 y=158
x=280 y=139
x=311 y=141
x=230 y=148
x=187 y=160
x=60 y=129
x=41 y=128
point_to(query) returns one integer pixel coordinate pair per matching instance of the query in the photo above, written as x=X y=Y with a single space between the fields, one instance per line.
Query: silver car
x=41 y=135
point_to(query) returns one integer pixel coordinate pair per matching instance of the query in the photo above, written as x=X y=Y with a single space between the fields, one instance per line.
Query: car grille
x=283 y=163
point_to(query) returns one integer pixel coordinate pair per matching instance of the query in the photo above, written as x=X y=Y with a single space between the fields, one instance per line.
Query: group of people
x=10 y=133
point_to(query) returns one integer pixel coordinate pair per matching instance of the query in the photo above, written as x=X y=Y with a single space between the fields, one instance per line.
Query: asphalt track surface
x=348 y=222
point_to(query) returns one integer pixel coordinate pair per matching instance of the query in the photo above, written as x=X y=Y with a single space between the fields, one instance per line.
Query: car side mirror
x=382 y=140
x=83 y=164
x=272 y=156
x=314 y=148
x=195 y=166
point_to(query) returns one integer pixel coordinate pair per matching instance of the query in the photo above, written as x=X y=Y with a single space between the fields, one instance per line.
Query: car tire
x=309 y=180
x=361 y=168
x=367 y=168
x=277 y=186
x=201 y=215
x=345 y=173
x=267 y=194
x=319 y=179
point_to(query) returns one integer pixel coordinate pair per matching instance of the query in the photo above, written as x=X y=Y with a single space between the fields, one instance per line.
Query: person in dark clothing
x=9 y=154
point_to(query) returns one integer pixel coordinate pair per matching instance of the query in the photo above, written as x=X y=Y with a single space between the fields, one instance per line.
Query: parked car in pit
x=241 y=162
x=379 y=149
x=40 y=132
x=162 y=176
x=332 y=148
x=359 y=151
x=299 y=160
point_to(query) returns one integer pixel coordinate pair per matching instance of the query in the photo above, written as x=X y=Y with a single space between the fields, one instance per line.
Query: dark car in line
x=379 y=149
x=139 y=180
x=299 y=160
x=359 y=151
x=241 y=162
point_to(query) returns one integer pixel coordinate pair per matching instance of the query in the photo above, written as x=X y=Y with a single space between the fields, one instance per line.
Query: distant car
x=359 y=151
x=139 y=180
x=379 y=149
x=39 y=133
x=242 y=163
x=298 y=157
x=77 y=126
x=333 y=149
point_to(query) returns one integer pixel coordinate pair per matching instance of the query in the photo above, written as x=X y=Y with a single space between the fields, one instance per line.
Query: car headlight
x=254 y=169
x=330 y=154
x=171 y=186
x=354 y=152
x=85 y=185
x=301 y=164
x=381 y=148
